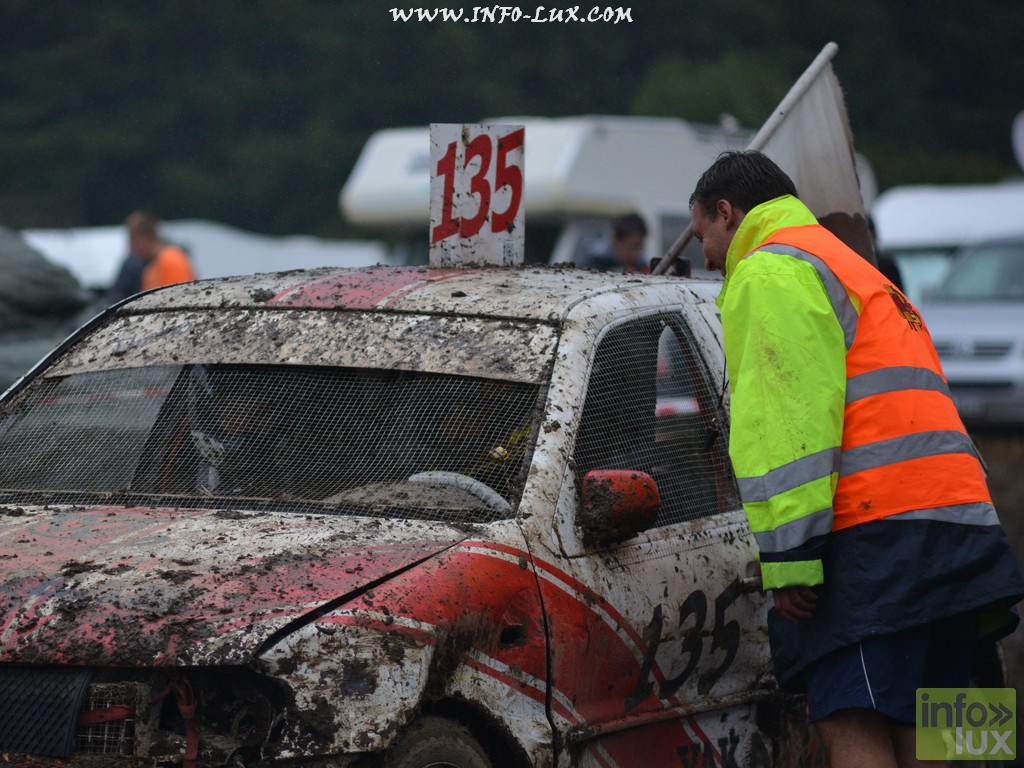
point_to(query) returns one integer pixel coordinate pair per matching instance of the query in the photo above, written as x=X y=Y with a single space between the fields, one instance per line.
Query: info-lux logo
x=966 y=724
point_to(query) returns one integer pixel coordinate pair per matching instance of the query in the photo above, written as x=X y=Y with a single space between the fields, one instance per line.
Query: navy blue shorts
x=883 y=672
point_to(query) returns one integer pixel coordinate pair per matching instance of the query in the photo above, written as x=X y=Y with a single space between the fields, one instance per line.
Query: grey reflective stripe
x=895 y=449
x=796 y=532
x=789 y=476
x=894 y=379
x=846 y=314
x=977 y=513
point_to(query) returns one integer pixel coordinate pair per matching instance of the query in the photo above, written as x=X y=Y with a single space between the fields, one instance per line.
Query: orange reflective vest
x=840 y=413
x=904 y=448
x=171 y=266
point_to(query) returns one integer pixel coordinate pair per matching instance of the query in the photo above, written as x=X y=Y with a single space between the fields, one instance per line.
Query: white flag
x=809 y=137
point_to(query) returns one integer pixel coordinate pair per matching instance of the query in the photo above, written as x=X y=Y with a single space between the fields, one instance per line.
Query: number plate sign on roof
x=476 y=195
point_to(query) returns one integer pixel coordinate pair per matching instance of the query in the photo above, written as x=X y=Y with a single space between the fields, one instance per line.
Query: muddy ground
x=1003 y=451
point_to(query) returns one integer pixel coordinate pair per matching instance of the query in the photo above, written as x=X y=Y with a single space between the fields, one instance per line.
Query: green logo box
x=966 y=724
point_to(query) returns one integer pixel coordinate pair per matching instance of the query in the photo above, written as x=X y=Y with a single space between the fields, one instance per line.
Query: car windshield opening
x=990 y=272
x=298 y=438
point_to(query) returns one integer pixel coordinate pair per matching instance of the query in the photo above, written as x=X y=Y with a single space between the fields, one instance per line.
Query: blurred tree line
x=252 y=112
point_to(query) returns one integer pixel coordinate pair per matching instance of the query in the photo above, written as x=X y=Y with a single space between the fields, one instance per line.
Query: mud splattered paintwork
x=174 y=587
x=247 y=637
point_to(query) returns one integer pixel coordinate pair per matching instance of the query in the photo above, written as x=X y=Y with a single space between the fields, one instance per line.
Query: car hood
x=142 y=587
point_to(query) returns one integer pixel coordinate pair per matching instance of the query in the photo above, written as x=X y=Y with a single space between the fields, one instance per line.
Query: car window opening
x=650 y=408
x=291 y=437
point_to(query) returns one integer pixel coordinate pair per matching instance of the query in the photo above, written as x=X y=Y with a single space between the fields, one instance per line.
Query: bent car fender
x=466 y=624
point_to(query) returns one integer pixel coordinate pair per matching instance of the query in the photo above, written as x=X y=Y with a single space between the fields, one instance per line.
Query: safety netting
x=297 y=438
x=651 y=407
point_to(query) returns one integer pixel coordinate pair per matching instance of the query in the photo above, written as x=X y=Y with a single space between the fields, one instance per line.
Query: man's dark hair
x=745 y=179
x=629 y=224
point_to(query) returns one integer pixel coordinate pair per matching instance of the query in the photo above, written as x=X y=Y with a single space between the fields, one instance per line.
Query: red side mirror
x=618 y=504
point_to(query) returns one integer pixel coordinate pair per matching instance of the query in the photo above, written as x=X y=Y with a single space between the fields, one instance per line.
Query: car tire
x=435 y=742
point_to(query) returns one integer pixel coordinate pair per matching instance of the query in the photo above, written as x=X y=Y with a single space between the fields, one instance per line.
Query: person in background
x=866 y=496
x=150 y=262
x=887 y=264
x=626 y=252
x=129 y=277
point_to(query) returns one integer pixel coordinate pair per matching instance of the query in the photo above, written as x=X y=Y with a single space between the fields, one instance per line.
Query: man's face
x=629 y=250
x=714 y=234
x=143 y=245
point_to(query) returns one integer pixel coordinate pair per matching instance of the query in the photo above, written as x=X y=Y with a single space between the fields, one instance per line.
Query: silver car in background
x=976 y=319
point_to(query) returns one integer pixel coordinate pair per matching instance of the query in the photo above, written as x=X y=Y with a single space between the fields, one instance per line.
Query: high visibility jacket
x=840 y=411
x=171 y=266
x=852 y=462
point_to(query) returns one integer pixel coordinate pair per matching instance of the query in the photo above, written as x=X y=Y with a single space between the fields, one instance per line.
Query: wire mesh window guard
x=649 y=407
x=344 y=440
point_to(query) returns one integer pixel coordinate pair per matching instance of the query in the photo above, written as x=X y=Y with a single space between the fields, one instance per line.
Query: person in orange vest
x=867 y=498
x=163 y=264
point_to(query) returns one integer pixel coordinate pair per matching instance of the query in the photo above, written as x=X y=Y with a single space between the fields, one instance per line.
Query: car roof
x=538 y=293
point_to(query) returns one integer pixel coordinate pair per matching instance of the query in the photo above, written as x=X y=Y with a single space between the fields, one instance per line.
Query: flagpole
x=800 y=87
x=796 y=92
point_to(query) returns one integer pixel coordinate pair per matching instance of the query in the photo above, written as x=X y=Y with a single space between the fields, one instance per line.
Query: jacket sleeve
x=787 y=369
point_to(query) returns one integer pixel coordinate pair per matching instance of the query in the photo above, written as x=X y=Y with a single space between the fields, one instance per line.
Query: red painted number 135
x=505 y=175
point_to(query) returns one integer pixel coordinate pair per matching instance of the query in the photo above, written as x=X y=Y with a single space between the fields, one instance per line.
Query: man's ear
x=732 y=215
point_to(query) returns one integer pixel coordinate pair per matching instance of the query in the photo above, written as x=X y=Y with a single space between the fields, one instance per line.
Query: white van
x=922 y=226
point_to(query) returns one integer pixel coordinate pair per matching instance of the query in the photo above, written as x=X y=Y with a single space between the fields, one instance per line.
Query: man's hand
x=795 y=603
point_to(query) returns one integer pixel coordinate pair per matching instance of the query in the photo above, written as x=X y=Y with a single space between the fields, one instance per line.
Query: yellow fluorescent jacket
x=839 y=410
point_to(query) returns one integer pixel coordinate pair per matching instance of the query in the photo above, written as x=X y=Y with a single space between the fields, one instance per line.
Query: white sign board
x=476 y=195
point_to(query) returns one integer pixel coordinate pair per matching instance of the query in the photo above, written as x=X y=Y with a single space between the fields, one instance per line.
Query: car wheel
x=435 y=742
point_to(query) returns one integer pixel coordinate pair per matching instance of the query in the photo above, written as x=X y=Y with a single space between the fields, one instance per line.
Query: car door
x=663 y=651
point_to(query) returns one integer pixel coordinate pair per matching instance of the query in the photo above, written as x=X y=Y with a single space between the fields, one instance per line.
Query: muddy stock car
x=391 y=517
